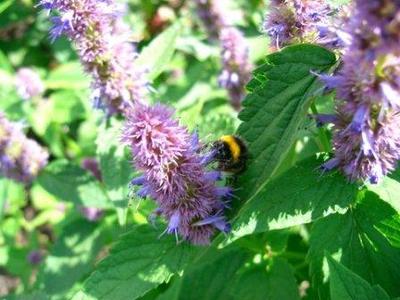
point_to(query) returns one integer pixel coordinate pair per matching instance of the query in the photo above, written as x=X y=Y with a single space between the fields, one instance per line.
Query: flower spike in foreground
x=173 y=174
x=21 y=158
x=366 y=131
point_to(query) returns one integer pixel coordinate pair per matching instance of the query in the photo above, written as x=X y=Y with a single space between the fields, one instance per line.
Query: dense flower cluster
x=236 y=67
x=28 y=83
x=234 y=49
x=366 y=132
x=102 y=41
x=213 y=16
x=21 y=158
x=296 y=21
x=174 y=174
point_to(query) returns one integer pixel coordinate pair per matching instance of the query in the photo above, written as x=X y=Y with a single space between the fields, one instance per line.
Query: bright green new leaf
x=69 y=76
x=346 y=285
x=71 y=258
x=155 y=57
x=115 y=166
x=69 y=182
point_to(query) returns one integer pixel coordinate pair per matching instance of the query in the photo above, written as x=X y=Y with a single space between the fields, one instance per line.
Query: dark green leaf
x=277 y=282
x=300 y=195
x=361 y=247
x=139 y=262
x=346 y=285
x=275 y=108
x=232 y=279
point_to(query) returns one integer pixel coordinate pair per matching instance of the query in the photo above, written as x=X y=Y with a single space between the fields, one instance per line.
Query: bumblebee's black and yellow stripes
x=230 y=153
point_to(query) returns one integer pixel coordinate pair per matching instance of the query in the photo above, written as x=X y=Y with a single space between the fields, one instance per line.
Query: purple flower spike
x=323 y=119
x=359 y=119
x=143 y=192
x=174 y=223
x=366 y=135
x=21 y=158
x=236 y=65
x=218 y=221
x=176 y=177
x=330 y=164
x=213 y=16
x=92 y=166
x=293 y=21
x=92 y=213
x=28 y=83
x=35 y=257
x=138 y=180
x=103 y=44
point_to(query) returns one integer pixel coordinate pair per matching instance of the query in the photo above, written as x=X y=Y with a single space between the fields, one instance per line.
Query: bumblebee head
x=230 y=153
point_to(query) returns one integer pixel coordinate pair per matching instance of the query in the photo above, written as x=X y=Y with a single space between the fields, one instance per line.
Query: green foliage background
x=296 y=233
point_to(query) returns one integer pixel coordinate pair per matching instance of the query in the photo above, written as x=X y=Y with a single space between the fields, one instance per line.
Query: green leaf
x=36 y=295
x=139 y=262
x=279 y=99
x=346 y=285
x=68 y=106
x=354 y=238
x=156 y=56
x=115 y=167
x=234 y=277
x=69 y=182
x=69 y=76
x=71 y=258
x=389 y=189
x=277 y=282
x=3 y=195
x=300 y=195
x=5 y=64
x=196 y=282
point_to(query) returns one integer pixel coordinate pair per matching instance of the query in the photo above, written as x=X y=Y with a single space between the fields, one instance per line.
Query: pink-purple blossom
x=214 y=16
x=366 y=130
x=236 y=69
x=234 y=49
x=35 y=257
x=297 y=21
x=28 y=83
x=21 y=158
x=106 y=52
x=174 y=175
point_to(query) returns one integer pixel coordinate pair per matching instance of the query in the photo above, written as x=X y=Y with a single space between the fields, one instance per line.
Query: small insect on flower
x=230 y=152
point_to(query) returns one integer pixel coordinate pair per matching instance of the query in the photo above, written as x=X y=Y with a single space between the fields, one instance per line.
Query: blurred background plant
x=56 y=229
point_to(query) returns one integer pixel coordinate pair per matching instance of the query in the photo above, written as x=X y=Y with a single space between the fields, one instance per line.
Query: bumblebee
x=230 y=152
